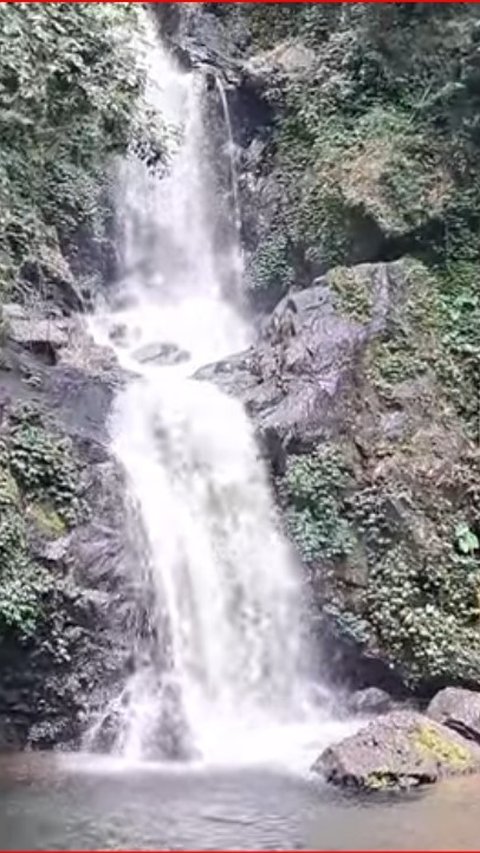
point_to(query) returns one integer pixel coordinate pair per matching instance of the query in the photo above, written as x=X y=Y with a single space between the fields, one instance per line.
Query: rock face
x=68 y=641
x=459 y=710
x=372 y=472
x=400 y=750
x=296 y=382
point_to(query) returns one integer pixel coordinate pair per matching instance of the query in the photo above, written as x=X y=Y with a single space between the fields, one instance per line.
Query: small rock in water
x=400 y=750
x=118 y=333
x=165 y=354
x=371 y=700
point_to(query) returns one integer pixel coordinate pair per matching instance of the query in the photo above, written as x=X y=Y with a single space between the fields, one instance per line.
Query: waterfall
x=227 y=601
x=231 y=155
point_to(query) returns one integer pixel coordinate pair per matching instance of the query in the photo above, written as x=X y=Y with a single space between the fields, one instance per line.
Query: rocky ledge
x=404 y=749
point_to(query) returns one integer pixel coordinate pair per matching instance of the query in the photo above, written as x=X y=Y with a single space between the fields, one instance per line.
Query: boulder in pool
x=402 y=749
x=459 y=710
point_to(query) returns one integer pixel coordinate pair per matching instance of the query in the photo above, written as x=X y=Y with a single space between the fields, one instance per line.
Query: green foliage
x=270 y=267
x=68 y=86
x=354 y=291
x=459 y=330
x=412 y=345
x=433 y=328
x=426 y=614
x=22 y=584
x=44 y=468
x=312 y=489
x=312 y=22
x=39 y=482
x=376 y=151
x=467 y=541
x=419 y=600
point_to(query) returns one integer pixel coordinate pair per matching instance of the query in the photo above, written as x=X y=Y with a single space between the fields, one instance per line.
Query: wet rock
x=105 y=733
x=171 y=738
x=235 y=375
x=298 y=380
x=400 y=750
x=10 y=737
x=51 y=274
x=459 y=710
x=163 y=354
x=204 y=38
x=44 y=336
x=118 y=333
x=371 y=700
x=52 y=552
x=52 y=685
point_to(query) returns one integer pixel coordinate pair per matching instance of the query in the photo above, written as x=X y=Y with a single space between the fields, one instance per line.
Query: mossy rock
x=439 y=746
x=9 y=491
x=400 y=750
x=353 y=287
x=47 y=520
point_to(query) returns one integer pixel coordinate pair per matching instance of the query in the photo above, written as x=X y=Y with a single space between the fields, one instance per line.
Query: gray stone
x=459 y=710
x=402 y=749
x=163 y=354
x=45 y=336
x=303 y=372
x=371 y=700
x=51 y=551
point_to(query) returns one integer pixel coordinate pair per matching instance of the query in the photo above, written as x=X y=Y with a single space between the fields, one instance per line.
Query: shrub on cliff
x=68 y=86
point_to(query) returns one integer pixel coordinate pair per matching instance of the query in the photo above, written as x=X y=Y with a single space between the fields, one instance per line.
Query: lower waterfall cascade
x=228 y=599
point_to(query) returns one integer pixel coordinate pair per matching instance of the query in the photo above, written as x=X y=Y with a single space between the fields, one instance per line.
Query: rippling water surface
x=72 y=802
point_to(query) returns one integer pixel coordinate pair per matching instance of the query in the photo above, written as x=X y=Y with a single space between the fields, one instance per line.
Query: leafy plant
x=312 y=490
x=69 y=86
x=467 y=541
x=44 y=468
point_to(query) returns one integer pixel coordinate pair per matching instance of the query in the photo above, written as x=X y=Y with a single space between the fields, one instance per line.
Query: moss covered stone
x=353 y=286
x=399 y=750
x=47 y=520
x=441 y=748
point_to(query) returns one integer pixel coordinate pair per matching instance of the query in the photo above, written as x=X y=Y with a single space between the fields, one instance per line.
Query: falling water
x=227 y=593
x=231 y=153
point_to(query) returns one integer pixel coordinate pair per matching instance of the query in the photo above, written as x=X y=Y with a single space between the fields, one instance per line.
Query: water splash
x=227 y=603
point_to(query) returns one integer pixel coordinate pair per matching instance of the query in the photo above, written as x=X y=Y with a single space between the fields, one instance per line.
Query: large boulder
x=459 y=710
x=400 y=750
x=296 y=382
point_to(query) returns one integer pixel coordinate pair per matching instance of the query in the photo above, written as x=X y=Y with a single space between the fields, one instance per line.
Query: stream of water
x=228 y=603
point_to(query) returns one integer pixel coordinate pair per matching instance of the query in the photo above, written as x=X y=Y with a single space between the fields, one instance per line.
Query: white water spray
x=227 y=587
